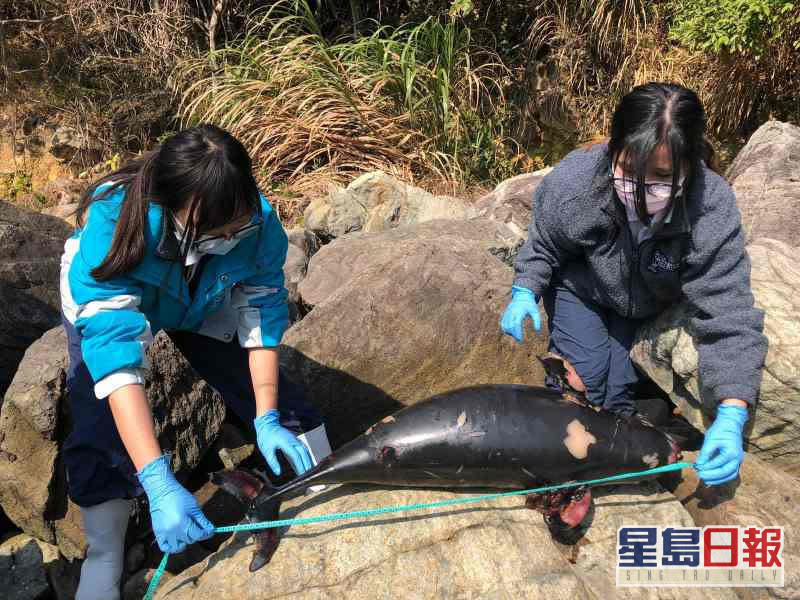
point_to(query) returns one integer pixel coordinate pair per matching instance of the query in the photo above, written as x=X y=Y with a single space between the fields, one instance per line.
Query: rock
x=64 y=212
x=72 y=146
x=6 y=526
x=22 y=573
x=665 y=351
x=302 y=246
x=40 y=384
x=594 y=556
x=376 y=202
x=402 y=315
x=511 y=202
x=30 y=252
x=339 y=262
x=63 y=575
x=494 y=549
x=764 y=178
x=231 y=446
x=34 y=421
x=303 y=239
x=765 y=496
x=136 y=585
x=294 y=270
x=63 y=191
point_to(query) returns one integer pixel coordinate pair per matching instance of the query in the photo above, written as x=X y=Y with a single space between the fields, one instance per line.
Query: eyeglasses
x=207 y=243
x=657 y=189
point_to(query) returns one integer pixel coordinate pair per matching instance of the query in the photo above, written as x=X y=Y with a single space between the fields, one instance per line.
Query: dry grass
x=415 y=101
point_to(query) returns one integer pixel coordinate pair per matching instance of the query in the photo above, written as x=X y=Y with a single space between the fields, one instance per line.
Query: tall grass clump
x=594 y=51
x=416 y=100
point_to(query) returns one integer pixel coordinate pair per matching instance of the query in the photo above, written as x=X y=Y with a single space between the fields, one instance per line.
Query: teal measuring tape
x=407 y=507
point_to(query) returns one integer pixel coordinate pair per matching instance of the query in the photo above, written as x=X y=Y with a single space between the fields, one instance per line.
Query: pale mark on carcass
x=651 y=460
x=578 y=439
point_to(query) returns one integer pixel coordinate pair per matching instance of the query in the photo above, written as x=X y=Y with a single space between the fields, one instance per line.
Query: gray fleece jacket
x=579 y=237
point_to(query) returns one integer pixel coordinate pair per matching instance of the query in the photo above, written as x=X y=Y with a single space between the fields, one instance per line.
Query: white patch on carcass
x=462 y=418
x=578 y=439
x=651 y=460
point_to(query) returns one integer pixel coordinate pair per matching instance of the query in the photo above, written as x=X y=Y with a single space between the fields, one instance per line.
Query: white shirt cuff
x=111 y=383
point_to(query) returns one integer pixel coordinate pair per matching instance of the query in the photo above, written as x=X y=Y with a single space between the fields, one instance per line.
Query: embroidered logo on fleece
x=660 y=263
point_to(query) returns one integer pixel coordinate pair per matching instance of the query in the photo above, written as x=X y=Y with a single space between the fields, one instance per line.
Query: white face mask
x=203 y=246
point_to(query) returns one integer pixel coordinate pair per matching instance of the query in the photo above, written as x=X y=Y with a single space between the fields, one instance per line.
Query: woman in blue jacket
x=179 y=240
x=621 y=231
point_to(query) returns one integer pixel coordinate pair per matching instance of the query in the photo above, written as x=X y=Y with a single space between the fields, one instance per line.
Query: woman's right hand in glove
x=524 y=303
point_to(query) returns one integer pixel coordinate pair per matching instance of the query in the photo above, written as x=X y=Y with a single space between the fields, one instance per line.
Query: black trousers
x=98 y=466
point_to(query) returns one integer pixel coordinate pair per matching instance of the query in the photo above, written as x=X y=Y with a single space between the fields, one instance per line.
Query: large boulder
x=402 y=315
x=494 y=549
x=765 y=179
x=666 y=352
x=511 y=201
x=34 y=421
x=30 y=256
x=765 y=496
x=375 y=202
x=22 y=569
x=77 y=147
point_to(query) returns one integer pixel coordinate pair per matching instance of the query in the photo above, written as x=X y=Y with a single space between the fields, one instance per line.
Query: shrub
x=751 y=51
x=748 y=27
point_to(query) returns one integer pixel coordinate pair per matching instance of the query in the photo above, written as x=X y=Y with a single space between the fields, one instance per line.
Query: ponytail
x=128 y=245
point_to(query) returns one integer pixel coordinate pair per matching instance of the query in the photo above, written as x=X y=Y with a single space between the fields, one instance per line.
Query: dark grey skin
x=495 y=436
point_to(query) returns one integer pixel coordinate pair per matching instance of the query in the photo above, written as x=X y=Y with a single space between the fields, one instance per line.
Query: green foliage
x=14 y=185
x=737 y=26
x=460 y=8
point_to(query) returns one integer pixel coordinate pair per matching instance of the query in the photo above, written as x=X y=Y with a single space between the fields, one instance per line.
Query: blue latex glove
x=524 y=303
x=722 y=450
x=272 y=436
x=176 y=517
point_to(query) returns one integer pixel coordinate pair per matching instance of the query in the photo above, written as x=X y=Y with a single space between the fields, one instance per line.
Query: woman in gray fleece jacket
x=625 y=229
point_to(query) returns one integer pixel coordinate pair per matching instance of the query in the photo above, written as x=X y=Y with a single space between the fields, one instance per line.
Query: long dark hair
x=657 y=113
x=204 y=168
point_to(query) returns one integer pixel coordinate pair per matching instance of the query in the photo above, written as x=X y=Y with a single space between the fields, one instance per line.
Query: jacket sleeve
x=716 y=282
x=261 y=300
x=115 y=333
x=549 y=243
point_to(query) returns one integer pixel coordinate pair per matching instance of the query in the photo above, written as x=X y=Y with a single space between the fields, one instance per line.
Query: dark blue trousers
x=98 y=466
x=597 y=341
